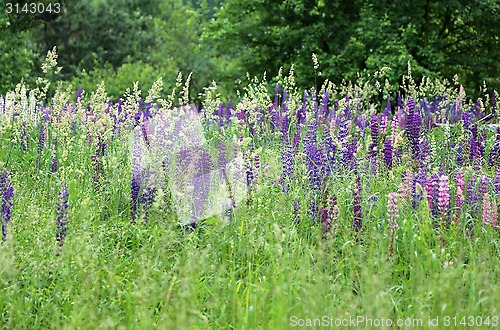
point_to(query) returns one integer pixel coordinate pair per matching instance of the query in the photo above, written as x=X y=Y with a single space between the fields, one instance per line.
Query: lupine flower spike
x=62 y=215
x=392 y=209
x=7 y=192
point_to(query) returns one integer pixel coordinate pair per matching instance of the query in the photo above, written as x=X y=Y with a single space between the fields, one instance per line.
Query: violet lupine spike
x=146 y=200
x=287 y=161
x=312 y=157
x=483 y=185
x=494 y=156
x=388 y=153
x=329 y=150
x=496 y=182
x=7 y=193
x=41 y=144
x=415 y=135
x=357 y=210
x=62 y=214
x=54 y=157
x=296 y=210
x=409 y=118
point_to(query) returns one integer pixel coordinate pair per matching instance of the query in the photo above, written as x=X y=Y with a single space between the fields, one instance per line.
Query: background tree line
x=122 y=41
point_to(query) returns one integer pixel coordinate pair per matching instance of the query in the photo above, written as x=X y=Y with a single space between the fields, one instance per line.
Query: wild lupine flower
x=494 y=156
x=358 y=213
x=388 y=153
x=329 y=149
x=473 y=143
x=41 y=144
x=54 y=157
x=415 y=134
x=313 y=158
x=496 y=183
x=486 y=210
x=146 y=200
x=62 y=214
x=7 y=193
x=392 y=208
x=494 y=213
x=328 y=215
x=409 y=118
x=460 y=155
x=483 y=185
x=444 y=194
x=405 y=188
x=296 y=210
x=287 y=163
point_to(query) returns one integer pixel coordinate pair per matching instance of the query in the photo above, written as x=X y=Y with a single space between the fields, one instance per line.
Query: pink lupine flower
x=405 y=189
x=444 y=195
x=486 y=210
x=494 y=213
x=392 y=208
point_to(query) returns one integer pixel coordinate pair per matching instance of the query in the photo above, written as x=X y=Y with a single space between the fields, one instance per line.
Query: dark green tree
x=439 y=38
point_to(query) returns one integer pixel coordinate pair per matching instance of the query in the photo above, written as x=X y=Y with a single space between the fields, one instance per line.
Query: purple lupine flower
x=296 y=141
x=54 y=157
x=388 y=153
x=7 y=193
x=313 y=158
x=287 y=162
x=496 y=183
x=473 y=143
x=444 y=194
x=62 y=214
x=41 y=144
x=483 y=185
x=494 y=156
x=249 y=173
x=417 y=187
x=146 y=200
x=357 y=210
x=201 y=181
x=296 y=210
x=431 y=187
x=329 y=150
x=415 y=134
x=409 y=118
x=134 y=201
x=328 y=215
x=78 y=97
x=466 y=119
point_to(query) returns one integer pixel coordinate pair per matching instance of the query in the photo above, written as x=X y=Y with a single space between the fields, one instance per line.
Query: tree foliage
x=438 y=38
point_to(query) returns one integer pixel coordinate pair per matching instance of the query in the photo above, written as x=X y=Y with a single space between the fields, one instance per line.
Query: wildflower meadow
x=354 y=205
